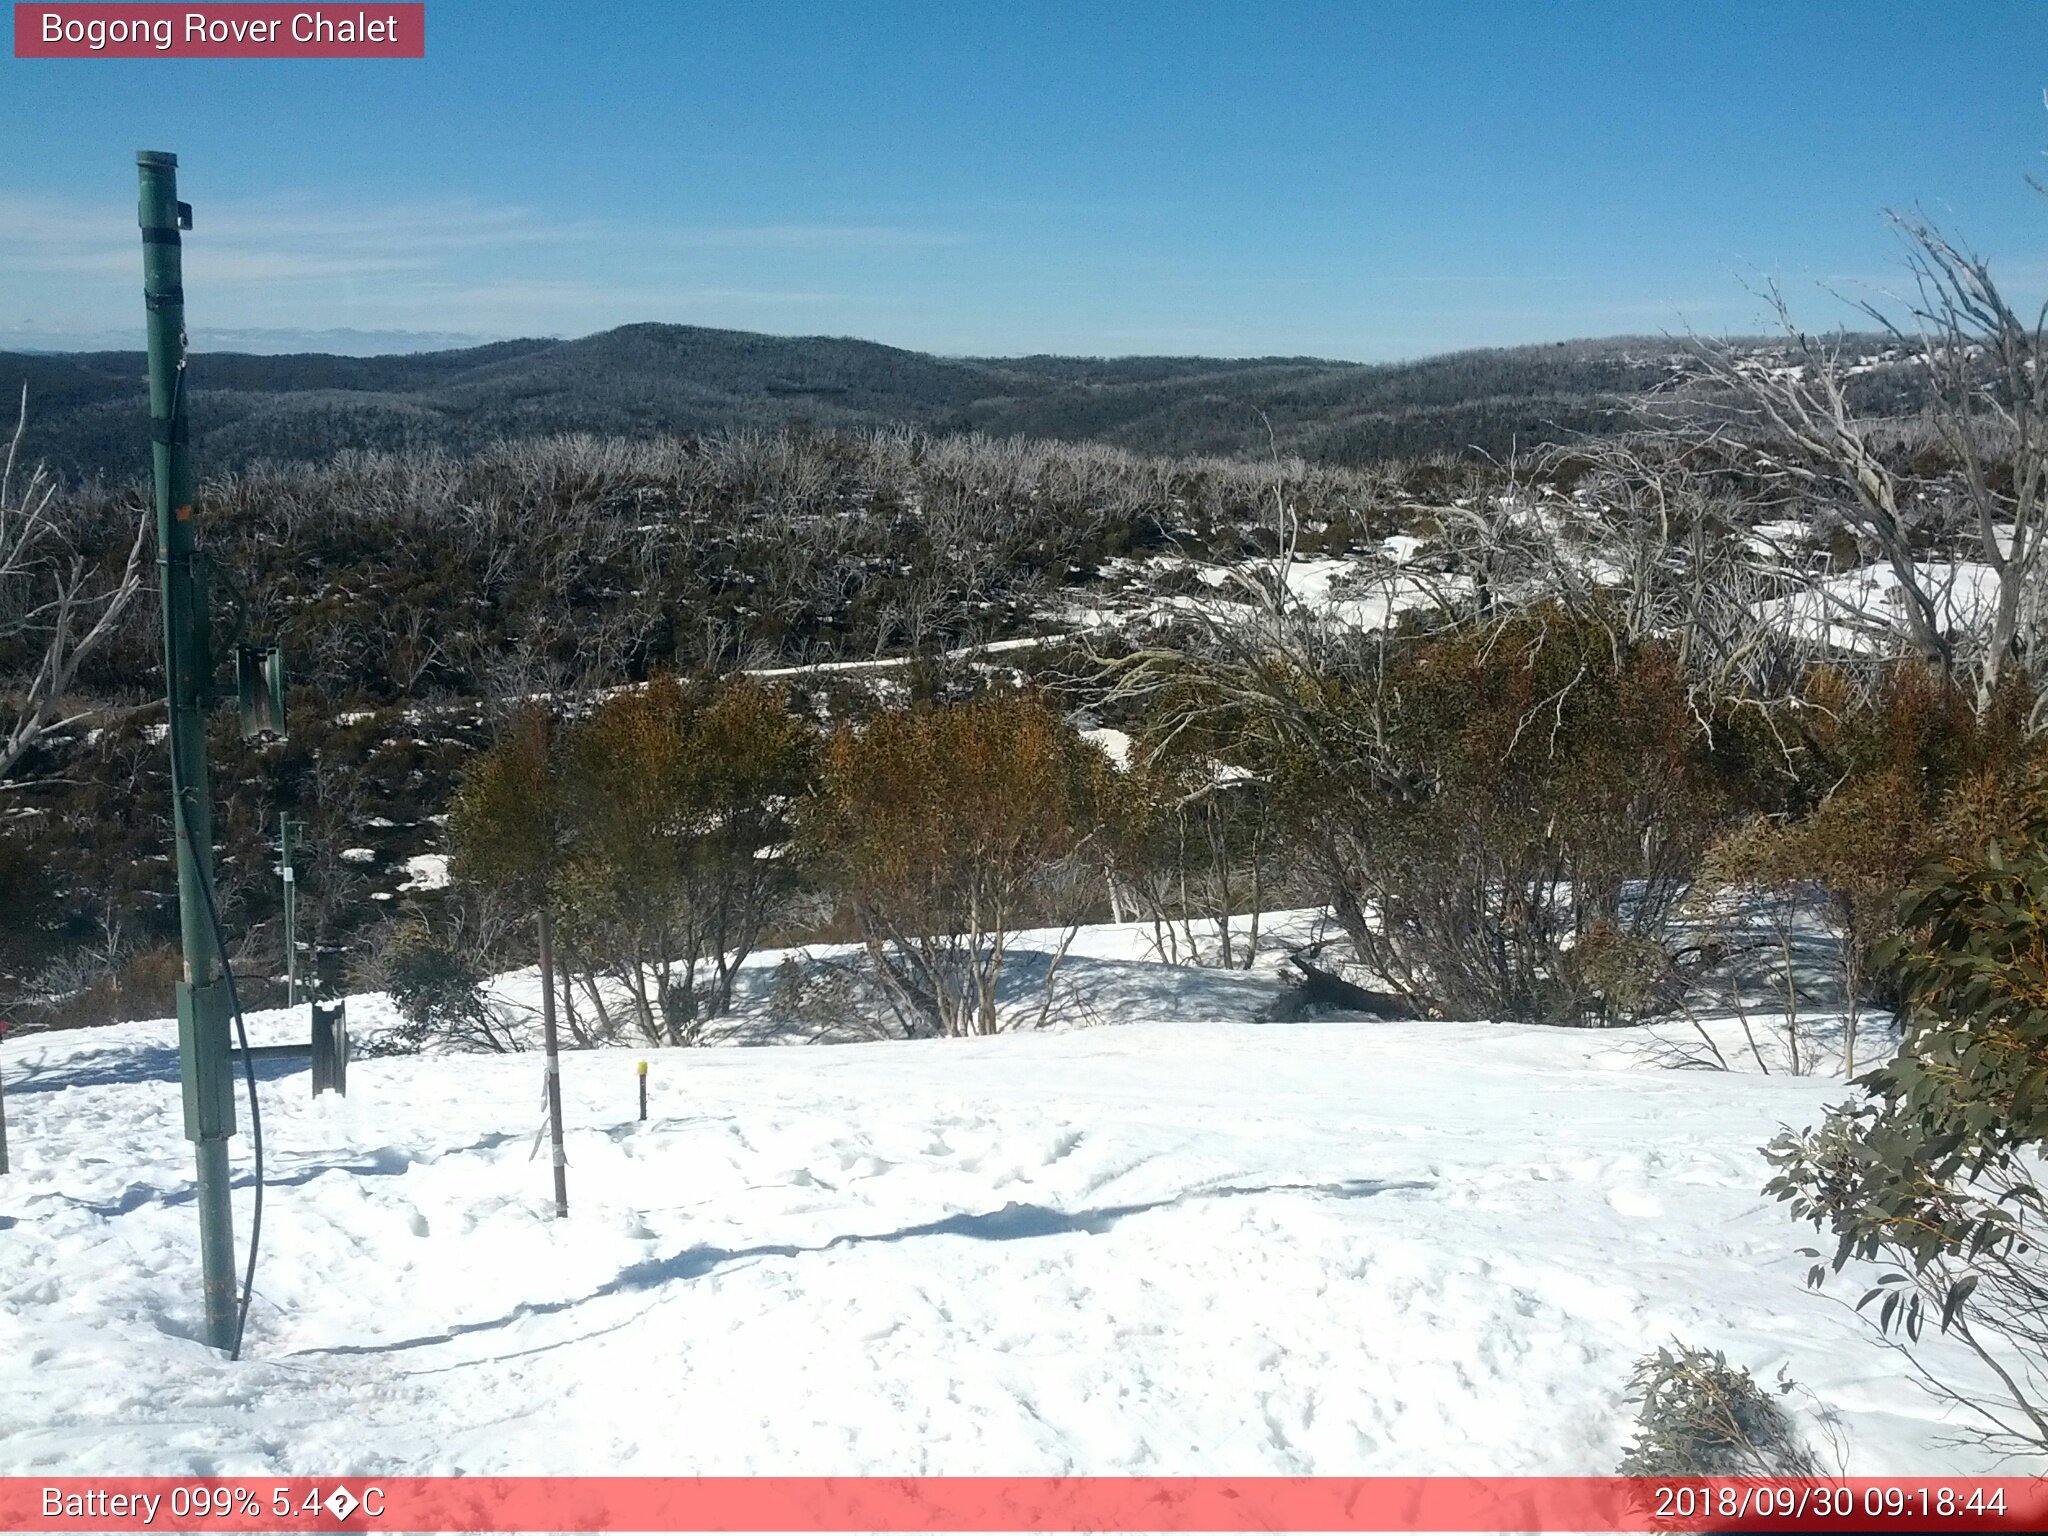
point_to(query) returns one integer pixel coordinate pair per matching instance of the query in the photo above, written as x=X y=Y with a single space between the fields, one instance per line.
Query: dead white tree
x=1649 y=545
x=1989 y=407
x=1964 y=545
x=56 y=611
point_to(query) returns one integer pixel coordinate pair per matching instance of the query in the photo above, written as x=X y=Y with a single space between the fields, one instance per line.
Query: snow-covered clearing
x=1154 y=1246
x=1861 y=610
x=426 y=872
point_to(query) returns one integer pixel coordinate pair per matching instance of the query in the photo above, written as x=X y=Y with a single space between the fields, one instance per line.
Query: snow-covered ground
x=1178 y=1242
x=1858 y=609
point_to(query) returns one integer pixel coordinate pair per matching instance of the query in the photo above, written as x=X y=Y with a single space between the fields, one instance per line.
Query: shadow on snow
x=1010 y=1224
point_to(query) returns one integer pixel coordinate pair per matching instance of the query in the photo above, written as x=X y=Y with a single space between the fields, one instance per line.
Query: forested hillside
x=87 y=412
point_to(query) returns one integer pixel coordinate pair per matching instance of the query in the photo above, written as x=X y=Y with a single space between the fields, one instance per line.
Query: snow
x=1179 y=1242
x=1858 y=610
x=874 y=663
x=425 y=872
x=1351 y=592
x=1113 y=744
x=1778 y=536
x=1400 y=548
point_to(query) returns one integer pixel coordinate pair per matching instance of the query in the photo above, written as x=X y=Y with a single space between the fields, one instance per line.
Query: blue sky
x=1347 y=180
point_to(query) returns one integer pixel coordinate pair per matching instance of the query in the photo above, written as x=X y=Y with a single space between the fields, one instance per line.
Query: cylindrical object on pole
x=643 y=1090
x=202 y=1007
x=554 y=1054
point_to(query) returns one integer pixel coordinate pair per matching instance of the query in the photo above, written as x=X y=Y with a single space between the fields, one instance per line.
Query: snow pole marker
x=285 y=827
x=554 y=1055
x=643 y=1113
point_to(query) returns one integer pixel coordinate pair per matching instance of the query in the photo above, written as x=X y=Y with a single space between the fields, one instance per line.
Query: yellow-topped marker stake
x=643 y=1090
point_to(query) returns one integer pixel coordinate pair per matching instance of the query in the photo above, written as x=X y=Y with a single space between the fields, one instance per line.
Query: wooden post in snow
x=554 y=1054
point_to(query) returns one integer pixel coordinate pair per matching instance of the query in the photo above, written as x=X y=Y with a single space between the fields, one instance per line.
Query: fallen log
x=1322 y=991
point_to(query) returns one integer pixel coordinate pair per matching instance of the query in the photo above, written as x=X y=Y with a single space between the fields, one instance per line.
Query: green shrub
x=440 y=995
x=940 y=829
x=1933 y=1170
x=1702 y=1417
x=1492 y=800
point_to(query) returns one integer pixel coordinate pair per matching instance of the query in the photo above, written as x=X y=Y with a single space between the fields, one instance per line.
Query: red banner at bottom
x=977 y=1504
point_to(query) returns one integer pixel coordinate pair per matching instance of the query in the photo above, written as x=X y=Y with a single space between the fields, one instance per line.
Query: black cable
x=220 y=944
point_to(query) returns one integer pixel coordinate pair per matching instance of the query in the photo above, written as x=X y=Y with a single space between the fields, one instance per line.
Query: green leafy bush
x=1504 y=817
x=1933 y=1171
x=941 y=829
x=440 y=994
x=1702 y=1417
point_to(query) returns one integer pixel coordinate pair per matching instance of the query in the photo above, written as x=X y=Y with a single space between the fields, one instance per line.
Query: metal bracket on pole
x=204 y=1062
x=330 y=1049
x=259 y=680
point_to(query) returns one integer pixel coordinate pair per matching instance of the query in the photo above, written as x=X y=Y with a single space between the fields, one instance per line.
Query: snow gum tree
x=1192 y=833
x=750 y=762
x=1961 y=528
x=678 y=842
x=57 y=606
x=1505 y=815
x=940 y=828
x=507 y=826
x=624 y=907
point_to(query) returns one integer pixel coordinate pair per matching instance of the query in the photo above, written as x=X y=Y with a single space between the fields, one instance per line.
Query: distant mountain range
x=87 y=412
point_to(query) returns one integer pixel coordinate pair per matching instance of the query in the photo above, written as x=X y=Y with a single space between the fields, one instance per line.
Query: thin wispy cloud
x=260 y=241
x=293 y=258
x=810 y=237
x=589 y=302
x=61 y=235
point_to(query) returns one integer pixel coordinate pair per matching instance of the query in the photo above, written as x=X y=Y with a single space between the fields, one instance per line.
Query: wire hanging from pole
x=220 y=945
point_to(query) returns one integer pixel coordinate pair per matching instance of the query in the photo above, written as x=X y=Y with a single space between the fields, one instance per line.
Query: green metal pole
x=203 y=1056
x=291 y=903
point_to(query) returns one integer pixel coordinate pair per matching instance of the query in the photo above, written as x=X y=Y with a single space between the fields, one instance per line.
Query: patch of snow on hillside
x=1400 y=548
x=426 y=872
x=1115 y=744
x=1852 y=610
